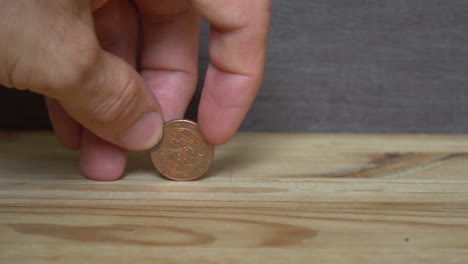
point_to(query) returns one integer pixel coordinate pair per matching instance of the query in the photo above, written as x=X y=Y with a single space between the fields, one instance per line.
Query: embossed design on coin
x=183 y=154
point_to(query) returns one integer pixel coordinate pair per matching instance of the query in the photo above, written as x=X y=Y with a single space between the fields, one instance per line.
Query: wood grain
x=270 y=198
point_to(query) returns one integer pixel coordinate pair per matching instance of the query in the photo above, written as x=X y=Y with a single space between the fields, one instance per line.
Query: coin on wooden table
x=182 y=154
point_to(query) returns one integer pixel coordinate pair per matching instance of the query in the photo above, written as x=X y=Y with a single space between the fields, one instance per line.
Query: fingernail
x=145 y=134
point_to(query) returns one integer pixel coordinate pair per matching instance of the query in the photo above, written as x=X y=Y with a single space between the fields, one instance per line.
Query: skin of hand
x=82 y=56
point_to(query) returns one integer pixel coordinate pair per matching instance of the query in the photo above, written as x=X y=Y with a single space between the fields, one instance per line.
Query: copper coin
x=183 y=154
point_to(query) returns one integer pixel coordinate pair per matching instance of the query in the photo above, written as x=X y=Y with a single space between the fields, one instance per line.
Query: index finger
x=237 y=53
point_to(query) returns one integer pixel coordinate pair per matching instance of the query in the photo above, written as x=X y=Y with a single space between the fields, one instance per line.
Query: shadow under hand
x=140 y=162
x=35 y=163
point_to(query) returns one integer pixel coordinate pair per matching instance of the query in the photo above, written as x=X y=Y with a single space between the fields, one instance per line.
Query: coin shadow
x=231 y=160
x=140 y=162
x=234 y=158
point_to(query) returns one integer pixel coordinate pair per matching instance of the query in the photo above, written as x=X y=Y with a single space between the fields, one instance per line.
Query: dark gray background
x=392 y=66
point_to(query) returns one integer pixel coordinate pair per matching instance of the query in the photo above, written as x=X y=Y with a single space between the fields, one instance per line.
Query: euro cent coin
x=182 y=154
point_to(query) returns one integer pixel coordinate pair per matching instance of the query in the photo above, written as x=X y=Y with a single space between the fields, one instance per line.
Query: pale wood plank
x=270 y=198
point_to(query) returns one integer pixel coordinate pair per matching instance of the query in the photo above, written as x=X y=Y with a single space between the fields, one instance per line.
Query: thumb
x=51 y=48
x=113 y=102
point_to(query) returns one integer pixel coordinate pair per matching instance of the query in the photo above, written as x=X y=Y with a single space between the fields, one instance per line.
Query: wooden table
x=270 y=198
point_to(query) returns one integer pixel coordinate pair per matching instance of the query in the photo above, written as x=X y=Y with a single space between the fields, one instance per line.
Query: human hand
x=82 y=56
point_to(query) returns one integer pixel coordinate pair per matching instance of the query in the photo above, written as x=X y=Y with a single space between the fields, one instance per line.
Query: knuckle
x=81 y=66
x=7 y=73
x=75 y=69
x=76 y=57
x=118 y=106
x=70 y=55
x=268 y=5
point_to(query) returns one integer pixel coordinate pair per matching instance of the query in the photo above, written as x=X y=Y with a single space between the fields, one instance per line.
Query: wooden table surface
x=269 y=198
